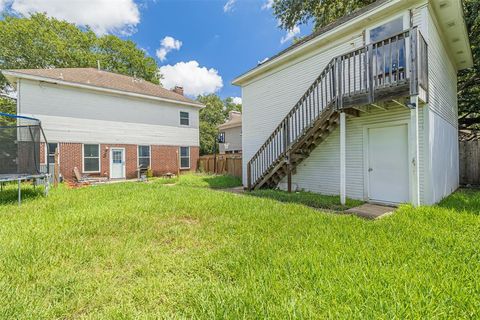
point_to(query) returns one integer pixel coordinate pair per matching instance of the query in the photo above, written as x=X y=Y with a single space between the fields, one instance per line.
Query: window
x=386 y=30
x=184 y=118
x=221 y=137
x=144 y=157
x=91 y=158
x=390 y=58
x=184 y=157
x=52 y=148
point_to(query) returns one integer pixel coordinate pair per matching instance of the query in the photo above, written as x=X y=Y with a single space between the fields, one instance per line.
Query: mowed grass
x=307 y=198
x=148 y=250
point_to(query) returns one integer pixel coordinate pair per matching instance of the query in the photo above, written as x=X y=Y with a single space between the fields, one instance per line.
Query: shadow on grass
x=209 y=181
x=9 y=194
x=309 y=199
x=463 y=200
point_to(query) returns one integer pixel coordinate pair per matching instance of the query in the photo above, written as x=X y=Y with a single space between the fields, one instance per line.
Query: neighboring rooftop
x=234 y=120
x=102 y=79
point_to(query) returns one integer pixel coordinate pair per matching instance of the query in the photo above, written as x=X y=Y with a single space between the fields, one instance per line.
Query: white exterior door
x=117 y=163
x=388 y=178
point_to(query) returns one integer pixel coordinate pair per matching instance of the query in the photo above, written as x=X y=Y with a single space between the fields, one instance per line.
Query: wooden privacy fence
x=470 y=162
x=230 y=164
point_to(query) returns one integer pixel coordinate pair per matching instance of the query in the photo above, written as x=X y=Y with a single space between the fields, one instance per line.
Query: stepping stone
x=371 y=211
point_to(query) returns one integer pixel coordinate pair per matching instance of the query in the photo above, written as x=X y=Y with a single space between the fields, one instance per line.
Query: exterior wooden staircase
x=379 y=72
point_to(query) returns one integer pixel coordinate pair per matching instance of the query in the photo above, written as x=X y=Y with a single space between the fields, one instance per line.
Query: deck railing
x=371 y=73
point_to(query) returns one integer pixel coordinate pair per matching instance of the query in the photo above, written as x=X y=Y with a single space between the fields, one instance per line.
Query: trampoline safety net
x=19 y=146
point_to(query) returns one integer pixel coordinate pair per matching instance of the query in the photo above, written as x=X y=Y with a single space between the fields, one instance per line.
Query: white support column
x=414 y=153
x=343 y=162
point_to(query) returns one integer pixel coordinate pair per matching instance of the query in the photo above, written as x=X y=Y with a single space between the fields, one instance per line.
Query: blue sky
x=230 y=41
x=200 y=44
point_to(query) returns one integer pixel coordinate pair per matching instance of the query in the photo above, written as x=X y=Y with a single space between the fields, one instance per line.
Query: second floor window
x=184 y=118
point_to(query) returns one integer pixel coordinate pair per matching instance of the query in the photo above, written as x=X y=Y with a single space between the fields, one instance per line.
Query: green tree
x=42 y=42
x=469 y=80
x=292 y=12
x=214 y=114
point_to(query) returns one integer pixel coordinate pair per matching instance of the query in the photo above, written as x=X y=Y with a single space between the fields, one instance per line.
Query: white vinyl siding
x=85 y=116
x=320 y=172
x=233 y=140
x=267 y=100
x=441 y=151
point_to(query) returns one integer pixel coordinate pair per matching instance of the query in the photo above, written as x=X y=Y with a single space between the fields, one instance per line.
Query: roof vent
x=455 y=39
x=451 y=24
x=60 y=76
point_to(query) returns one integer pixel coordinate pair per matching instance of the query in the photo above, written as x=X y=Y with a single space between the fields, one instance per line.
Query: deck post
x=289 y=173
x=343 y=184
x=414 y=152
x=249 y=176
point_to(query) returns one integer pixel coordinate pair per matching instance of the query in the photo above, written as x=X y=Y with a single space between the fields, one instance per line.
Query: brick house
x=107 y=124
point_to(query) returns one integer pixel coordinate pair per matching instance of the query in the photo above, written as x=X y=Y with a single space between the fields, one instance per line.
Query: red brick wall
x=70 y=155
x=42 y=153
x=131 y=162
x=163 y=159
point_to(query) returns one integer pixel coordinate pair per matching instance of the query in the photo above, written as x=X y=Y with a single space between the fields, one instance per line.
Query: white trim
x=124 y=162
x=180 y=158
x=19 y=75
x=343 y=159
x=366 y=164
x=149 y=152
x=99 y=158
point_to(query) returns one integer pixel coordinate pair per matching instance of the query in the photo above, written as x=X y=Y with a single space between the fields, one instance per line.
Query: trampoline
x=20 y=139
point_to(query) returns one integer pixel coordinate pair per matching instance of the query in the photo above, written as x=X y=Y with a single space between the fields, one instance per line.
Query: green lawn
x=307 y=198
x=149 y=250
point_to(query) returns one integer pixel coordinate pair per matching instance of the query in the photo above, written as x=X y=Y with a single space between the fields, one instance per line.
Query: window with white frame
x=52 y=148
x=386 y=30
x=184 y=118
x=91 y=158
x=184 y=157
x=144 y=157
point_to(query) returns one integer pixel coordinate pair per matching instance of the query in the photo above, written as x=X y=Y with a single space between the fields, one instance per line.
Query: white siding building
x=108 y=124
x=381 y=145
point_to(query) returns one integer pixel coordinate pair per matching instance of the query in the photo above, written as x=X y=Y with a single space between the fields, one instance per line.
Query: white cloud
x=194 y=79
x=229 y=5
x=290 y=35
x=166 y=45
x=267 y=5
x=237 y=100
x=103 y=16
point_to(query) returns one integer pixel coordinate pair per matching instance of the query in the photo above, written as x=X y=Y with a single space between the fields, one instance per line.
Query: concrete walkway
x=371 y=211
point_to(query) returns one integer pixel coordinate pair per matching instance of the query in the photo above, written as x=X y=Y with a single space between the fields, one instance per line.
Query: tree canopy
x=42 y=42
x=214 y=114
x=291 y=13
